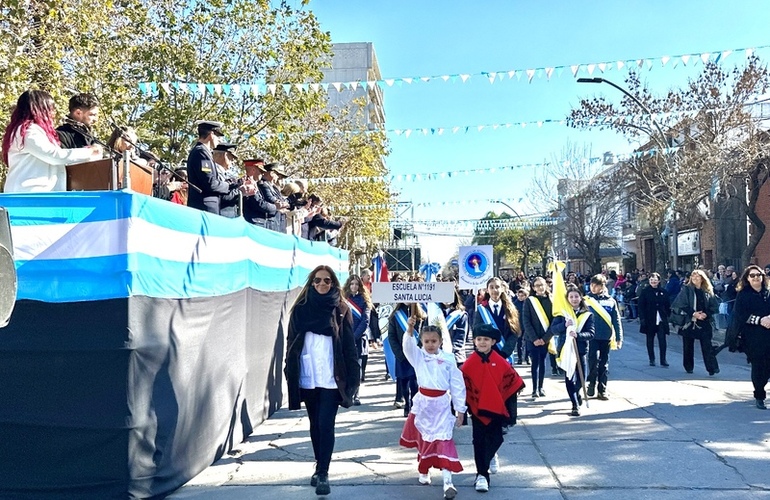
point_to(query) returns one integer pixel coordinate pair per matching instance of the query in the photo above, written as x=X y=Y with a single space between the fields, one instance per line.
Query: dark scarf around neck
x=317 y=314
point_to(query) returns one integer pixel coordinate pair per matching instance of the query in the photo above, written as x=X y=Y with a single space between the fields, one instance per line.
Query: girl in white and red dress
x=429 y=425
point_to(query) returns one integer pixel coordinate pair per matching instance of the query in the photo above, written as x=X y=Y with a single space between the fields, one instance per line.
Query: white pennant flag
x=511 y=73
x=166 y=87
x=620 y=64
x=492 y=77
x=218 y=89
x=235 y=89
x=337 y=85
x=574 y=68
x=464 y=78
x=407 y=133
x=201 y=88
x=602 y=67
x=389 y=82
x=685 y=59
x=590 y=68
x=530 y=75
x=315 y=87
x=425 y=79
x=445 y=77
x=407 y=80
x=271 y=88
x=664 y=60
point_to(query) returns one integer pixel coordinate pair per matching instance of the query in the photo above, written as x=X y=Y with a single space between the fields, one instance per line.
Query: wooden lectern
x=98 y=176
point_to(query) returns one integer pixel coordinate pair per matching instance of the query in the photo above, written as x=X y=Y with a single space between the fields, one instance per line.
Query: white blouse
x=317 y=362
x=39 y=165
x=436 y=371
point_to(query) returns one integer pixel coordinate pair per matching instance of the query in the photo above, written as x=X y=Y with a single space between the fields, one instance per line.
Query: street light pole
x=662 y=143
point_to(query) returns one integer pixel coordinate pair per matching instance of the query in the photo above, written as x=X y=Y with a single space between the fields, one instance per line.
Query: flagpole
x=580 y=371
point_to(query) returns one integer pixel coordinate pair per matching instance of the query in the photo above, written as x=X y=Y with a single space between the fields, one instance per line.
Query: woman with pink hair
x=32 y=150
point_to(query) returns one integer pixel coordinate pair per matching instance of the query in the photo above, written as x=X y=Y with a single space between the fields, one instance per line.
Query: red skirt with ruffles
x=441 y=454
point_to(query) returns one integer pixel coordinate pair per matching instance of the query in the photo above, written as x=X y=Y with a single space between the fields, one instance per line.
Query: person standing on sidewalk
x=405 y=374
x=749 y=329
x=609 y=331
x=321 y=364
x=429 y=425
x=697 y=305
x=492 y=386
x=654 y=311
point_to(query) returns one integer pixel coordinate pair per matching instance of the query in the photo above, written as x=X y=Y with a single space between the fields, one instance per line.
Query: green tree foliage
x=107 y=47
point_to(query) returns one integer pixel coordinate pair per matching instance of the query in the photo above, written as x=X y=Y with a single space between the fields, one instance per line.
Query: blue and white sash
x=453 y=318
x=486 y=316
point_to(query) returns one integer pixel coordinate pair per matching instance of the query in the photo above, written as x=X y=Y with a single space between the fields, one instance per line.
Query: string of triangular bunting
x=529 y=74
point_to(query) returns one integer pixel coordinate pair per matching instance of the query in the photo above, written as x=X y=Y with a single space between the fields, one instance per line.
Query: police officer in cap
x=203 y=172
x=224 y=157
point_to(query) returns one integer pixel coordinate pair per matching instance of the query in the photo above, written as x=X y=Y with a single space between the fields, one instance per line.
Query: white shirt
x=436 y=371
x=39 y=165
x=492 y=305
x=316 y=363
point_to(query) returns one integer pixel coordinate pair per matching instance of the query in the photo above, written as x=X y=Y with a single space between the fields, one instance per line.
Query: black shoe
x=652 y=362
x=591 y=390
x=534 y=394
x=575 y=411
x=541 y=393
x=663 y=363
x=555 y=373
x=761 y=404
x=314 y=480
x=688 y=371
x=323 y=488
x=603 y=396
x=356 y=402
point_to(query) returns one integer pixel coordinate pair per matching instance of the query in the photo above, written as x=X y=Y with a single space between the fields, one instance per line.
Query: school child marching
x=492 y=386
x=430 y=423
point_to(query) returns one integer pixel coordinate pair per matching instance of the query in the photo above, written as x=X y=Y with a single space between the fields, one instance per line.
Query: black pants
x=598 y=363
x=409 y=389
x=688 y=352
x=538 y=354
x=487 y=439
x=573 y=384
x=322 y=406
x=521 y=349
x=760 y=374
x=661 y=334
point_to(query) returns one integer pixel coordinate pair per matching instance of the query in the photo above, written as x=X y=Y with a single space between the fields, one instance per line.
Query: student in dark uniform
x=76 y=131
x=203 y=173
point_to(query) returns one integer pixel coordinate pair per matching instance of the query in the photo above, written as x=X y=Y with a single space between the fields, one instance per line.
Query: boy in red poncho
x=491 y=388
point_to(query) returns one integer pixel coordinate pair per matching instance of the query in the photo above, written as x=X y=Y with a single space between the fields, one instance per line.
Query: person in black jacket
x=538 y=315
x=696 y=305
x=76 y=131
x=321 y=363
x=256 y=209
x=654 y=311
x=749 y=330
x=268 y=186
x=503 y=314
x=203 y=172
x=320 y=223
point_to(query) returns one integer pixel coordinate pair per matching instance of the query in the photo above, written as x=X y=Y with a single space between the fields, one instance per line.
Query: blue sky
x=422 y=38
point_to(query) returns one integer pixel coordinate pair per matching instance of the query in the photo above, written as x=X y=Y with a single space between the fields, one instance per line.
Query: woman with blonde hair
x=693 y=311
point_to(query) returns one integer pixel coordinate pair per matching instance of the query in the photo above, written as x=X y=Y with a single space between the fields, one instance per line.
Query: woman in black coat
x=321 y=363
x=654 y=310
x=748 y=331
x=695 y=308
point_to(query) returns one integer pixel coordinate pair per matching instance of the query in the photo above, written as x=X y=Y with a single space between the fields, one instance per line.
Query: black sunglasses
x=755 y=275
x=317 y=281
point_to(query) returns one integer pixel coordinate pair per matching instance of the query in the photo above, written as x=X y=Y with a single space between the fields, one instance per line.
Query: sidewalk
x=663 y=434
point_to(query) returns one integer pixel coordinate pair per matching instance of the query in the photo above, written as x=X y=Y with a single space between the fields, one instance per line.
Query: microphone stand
x=80 y=128
x=160 y=165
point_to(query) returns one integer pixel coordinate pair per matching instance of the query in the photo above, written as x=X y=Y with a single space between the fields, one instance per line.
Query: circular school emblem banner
x=476 y=266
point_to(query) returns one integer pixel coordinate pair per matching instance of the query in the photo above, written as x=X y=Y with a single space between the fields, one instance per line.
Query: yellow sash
x=602 y=312
x=540 y=312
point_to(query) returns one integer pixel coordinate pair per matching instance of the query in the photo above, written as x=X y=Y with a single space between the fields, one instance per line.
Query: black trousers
x=409 y=389
x=760 y=374
x=573 y=384
x=322 y=406
x=537 y=354
x=598 y=363
x=661 y=334
x=688 y=352
x=487 y=439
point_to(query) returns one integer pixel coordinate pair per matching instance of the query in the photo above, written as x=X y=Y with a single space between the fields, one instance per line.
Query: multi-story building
x=356 y=62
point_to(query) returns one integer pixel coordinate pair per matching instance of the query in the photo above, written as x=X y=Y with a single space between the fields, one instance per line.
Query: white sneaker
x=494 y=465
x=424 y=479
x=481 y=484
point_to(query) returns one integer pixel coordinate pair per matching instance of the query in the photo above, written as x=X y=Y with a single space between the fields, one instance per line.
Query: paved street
x=663 y=434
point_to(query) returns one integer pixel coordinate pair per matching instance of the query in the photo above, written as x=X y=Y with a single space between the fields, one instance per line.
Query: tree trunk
x=661 y=251
x=756 y=180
